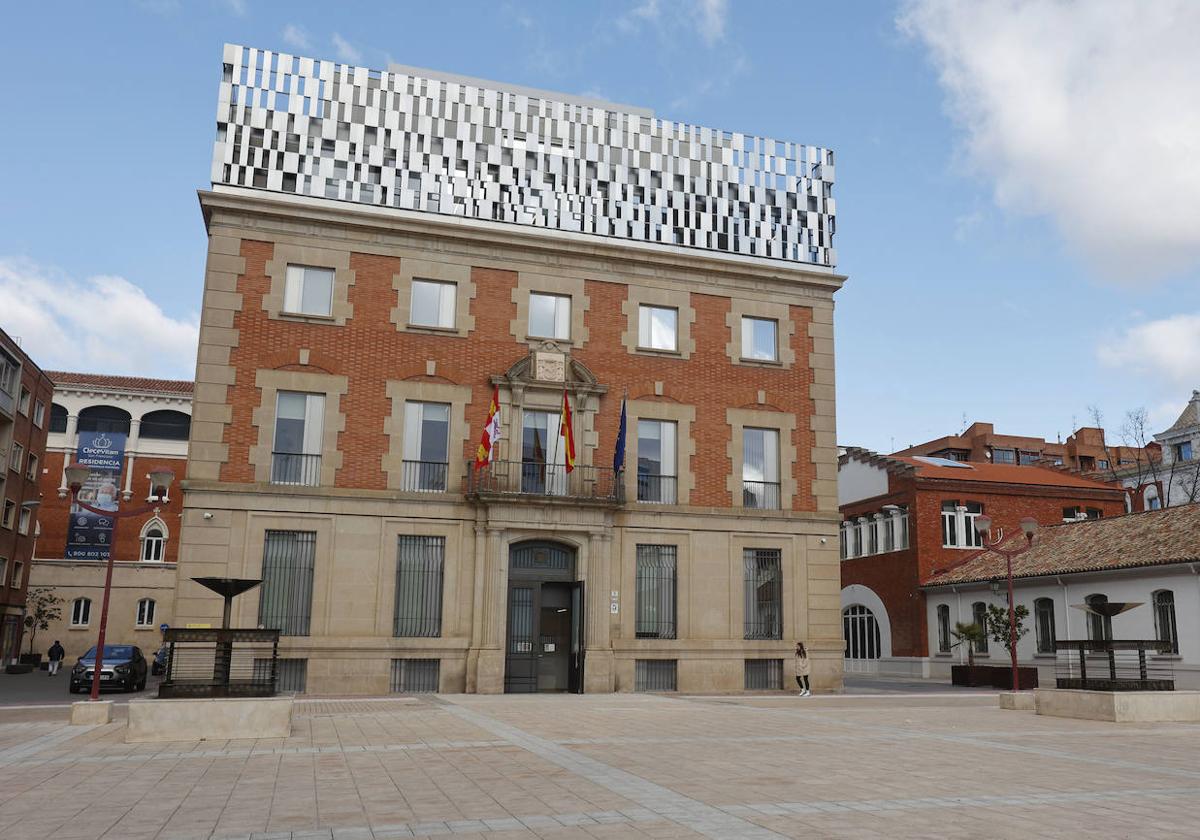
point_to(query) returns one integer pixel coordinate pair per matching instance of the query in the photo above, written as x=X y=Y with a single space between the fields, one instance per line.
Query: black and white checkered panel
x=392 y=139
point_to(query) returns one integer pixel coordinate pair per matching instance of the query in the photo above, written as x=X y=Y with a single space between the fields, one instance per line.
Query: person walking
x=55 y=656
x=802 y=670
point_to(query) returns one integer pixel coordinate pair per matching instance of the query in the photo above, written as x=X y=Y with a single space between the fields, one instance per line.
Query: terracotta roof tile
x=122 y=383
x=1003 y=473
x=1153 y=538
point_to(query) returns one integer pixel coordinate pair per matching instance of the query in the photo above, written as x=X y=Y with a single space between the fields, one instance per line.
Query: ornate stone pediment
x=549 y=364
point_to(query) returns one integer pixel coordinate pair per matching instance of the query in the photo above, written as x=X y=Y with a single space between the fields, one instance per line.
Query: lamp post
x=1029 y=525
x=77 y=474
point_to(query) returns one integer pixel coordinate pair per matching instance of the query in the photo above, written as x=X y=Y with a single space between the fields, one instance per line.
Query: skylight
x=942 y=462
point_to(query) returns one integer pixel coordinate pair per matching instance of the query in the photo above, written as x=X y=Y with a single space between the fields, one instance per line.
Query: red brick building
x=905 y=518
x=25 y=395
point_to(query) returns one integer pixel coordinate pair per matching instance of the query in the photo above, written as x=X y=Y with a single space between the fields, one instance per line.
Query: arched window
x=1043 y=617
x=943 y=623
x=154 y=540
x=979 y=616
x=81 y=612
x=58 y=418
x=145 y=612
x=1099 y=626
x=104 y=418
x=862 y=633
x=1164 y=618
x=1150 y=499
x=165 y=425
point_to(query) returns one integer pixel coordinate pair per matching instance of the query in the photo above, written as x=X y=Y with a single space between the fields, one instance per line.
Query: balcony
x=660 y=489
x=760 y=495
x=548 y=482
x=424 y=476
x=295 y=468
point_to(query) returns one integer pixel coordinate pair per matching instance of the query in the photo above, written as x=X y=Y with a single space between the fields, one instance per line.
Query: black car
x=124 y=666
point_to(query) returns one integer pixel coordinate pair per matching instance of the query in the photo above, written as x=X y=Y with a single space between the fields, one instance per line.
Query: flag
x=491 y=433
x=619 y=454
x=565 y=430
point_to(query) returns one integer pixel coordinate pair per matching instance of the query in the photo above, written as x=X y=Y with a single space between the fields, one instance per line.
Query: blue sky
x=994 y=275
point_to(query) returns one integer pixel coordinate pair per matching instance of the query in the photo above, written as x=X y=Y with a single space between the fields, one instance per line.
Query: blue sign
x=89 y=535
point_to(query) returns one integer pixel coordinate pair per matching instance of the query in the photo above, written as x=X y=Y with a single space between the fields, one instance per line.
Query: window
x=3 y=570
x=1102 y=464
x=58 y=418
x=39 y=413
x=861 y=631
x=1070 y=514
x=1004 y=456
x=165 y=425
x=104 y=418
x=873 y=536
x=1164 y=619
x=844 y=540
x=420 y=563
x=958 y=525
x=426 y=446
x=415 y=676
x=81 y=612
x=979 y=616
x=18 y=457
x=760 y=468
x=656 y=575
x=656 y=480
x=549 y=316
x=23 y=520
x=308 y=290
x=1099 y=626
x=888 y=540
x=1094 y=513
x=10 y=513
x=1043 y=619
x=858 y=537
x=763 y=593
x=655 y=675
x=943 y=625
x=1026 y=457
x=145 y=612
x=9 y=370
x=31 y=469
x=759 y=341
x=658 y=327
x=285 y=596
x=1150 y=498
x=299 y=425
x=1183 y=451
x=543 y=458
x=433 y=304
x=18 y=574
x=762 y=675
x=950 y=524
x=154 y=541
x=23 y=401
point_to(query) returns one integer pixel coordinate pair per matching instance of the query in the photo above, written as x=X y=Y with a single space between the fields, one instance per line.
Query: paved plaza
x=610 y=766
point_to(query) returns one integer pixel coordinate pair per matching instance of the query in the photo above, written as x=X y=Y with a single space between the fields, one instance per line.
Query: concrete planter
x=1120 y=706
x=210 y=719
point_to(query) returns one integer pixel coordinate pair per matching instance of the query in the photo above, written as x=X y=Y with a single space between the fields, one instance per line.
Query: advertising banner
x=89 y=535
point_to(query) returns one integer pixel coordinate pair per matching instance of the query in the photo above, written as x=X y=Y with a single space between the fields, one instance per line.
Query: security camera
x=207 y=515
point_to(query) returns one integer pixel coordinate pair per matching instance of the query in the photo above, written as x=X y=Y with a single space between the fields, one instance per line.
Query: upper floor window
x=104 y=418
x=9 y=370
x=543 y=455
x=1164 y=619
x=24 y=518
x=760 y=340
x=39 y=413
x=549 y=316
x=145 y=613
x=165 y=425
x=308 y=290
x=18 y=457
x=299 y=427
x=426 y=445
x=1183 y=451
x=18 y=578
x=58 y=418
x=1102 y=464
x=31 y=470
x=1150 y=499
x=10 y=513
x=760 y=468
x=658 y=327
x=656 y=477
x=1004 y=456
x=154 y=541
x=23 y=401
x=958 y=525
x=1026 y=457
x=433 y=304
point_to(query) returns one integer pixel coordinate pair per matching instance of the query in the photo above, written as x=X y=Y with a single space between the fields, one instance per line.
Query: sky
x=1018 y=181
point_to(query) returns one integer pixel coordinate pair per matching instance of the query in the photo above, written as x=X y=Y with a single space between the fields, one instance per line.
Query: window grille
x=655 y=675
x=656 y=588
x=419 y=571
x=763 y=674
x=943 y=619
x=290 y=674
x=285 y=597
x=1164 y=618
x=520 y=620
x=412 y=676
x=763 y=593
x=862 y=633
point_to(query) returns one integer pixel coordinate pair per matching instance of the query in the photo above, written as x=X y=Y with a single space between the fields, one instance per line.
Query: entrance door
x=545 y=643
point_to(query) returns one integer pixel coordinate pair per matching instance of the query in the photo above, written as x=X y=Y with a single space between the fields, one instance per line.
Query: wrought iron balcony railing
x=760 y=495
x=657 y=488
x=546 y=481
x=295 y=468
x=425 y=476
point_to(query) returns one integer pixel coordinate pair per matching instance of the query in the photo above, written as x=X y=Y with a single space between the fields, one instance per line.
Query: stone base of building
x=1018 y=701
x=1120 y=706
x=91 y=712
x=209 y=719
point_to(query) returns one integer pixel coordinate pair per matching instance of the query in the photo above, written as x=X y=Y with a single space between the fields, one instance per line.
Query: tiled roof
x=1153 y=538
x=122 y=383
x=974 y=471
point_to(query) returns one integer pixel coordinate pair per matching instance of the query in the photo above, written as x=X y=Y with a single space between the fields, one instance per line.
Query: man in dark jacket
x=56 y=654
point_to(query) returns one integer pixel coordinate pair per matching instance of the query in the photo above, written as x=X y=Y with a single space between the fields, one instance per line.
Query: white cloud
x=1167 y=348
x=103 y=324
x=295 y=36
x=706 y=17
x=1082 y=110
x=711 y=20
x=346 y=51
x=238 y=7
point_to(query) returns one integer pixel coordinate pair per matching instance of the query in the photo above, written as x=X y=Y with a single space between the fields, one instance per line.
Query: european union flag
x=619 y=455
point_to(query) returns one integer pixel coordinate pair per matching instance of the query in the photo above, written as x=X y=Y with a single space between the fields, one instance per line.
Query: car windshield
x=111 y=652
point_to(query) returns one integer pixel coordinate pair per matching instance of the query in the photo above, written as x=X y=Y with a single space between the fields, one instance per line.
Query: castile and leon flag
x=491 y=433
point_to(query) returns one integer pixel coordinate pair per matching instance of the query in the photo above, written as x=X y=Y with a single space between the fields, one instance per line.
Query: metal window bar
x=285 y=597
x=415 y=676
x=532 y=479
x=425 y=476
x=655 y=675
x=1114 y=665
x=763 y=675
x=220 y=663
x=520 y=620
x=861 y=631
x=763 y=593
x=760 y=495
x=660 y=489
x=420 y=566
x=291 y=674
x=656 y=592
x=1164 y=619
x=295 y=468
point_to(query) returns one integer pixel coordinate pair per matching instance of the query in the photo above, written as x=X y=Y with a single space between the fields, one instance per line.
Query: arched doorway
x=544 y=642
x=863 y=645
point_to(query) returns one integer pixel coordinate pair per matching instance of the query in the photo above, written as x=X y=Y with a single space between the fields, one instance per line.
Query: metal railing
x=657 y=488
x=547 y=481
x=220 y=663
x=295 y=468
x=760 y=495
x=1114 y=665
x=425 y=476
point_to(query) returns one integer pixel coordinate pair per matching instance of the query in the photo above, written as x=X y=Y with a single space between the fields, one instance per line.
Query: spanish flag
x=565 y=427
x=486 y=452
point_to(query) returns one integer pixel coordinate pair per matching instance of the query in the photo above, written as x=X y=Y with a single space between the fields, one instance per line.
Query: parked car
x=124 y=667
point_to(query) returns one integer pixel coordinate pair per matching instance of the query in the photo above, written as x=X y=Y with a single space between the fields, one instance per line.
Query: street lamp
x=160 y=482
x=1029 y=526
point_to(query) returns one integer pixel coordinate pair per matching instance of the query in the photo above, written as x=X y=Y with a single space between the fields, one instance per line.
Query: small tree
x=41 y=607
x=998 y=627
x=970 y=635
